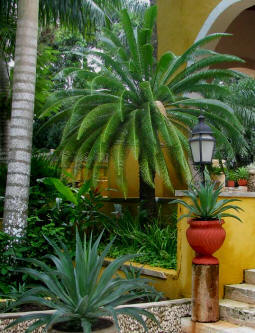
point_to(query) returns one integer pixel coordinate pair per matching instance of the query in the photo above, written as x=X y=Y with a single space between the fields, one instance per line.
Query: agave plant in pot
x=205 y=233
x=83 y=296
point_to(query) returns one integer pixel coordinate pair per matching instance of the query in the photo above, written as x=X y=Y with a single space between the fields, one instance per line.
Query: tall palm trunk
x=4 y=114
x=20 y=142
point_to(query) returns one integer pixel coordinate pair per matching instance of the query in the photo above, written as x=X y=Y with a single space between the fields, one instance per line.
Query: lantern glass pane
x=207 y=148
x=195 y=148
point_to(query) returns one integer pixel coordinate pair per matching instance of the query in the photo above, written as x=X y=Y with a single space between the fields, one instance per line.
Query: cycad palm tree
x=138 y=104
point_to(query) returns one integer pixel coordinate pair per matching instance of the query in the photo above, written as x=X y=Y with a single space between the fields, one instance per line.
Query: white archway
x=221 y=17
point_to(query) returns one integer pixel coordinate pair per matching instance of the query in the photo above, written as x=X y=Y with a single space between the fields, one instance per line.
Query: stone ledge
x=234 y=194
x=15 y=315
x=155 y=272
x=168 y=304
x=188 y=326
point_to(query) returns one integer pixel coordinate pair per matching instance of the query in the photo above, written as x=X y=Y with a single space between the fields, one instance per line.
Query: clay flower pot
x=242 y=182
x=110 y=328
x=205 y=237
x=231 y=183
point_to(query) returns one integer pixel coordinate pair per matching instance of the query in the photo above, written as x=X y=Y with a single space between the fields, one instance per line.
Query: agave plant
x=136 y=103
x=205 y=204
x=79 y=293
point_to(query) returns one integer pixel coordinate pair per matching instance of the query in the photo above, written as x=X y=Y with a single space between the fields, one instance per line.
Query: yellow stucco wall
x=179 y=22
x=236 y=254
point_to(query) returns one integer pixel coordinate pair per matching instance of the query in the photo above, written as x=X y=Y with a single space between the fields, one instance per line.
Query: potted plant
x=231 y=178
x=82 y=295
x=242 y=176
x=205 y=233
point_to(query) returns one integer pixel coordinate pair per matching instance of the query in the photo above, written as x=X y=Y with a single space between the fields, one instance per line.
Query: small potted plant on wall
x=83 y=296
x=242 y=175
x=205 y=212
x=231 y=178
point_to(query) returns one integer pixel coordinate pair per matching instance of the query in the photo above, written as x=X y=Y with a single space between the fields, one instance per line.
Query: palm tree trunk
x=4 y=114
x=20 y=140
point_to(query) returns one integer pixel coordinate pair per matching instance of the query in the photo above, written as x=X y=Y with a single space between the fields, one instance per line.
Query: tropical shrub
x=205 y=205
x=79 y=293
x=79 y=208
x=33 y=245
x=136 y=103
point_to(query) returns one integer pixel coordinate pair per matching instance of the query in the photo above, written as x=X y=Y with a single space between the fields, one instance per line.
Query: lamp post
x=205 y=277
x=202 y=145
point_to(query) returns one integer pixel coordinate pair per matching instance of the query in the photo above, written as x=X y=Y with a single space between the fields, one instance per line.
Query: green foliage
x=205 y=204
x=217 y=170
x=80 y=208
x=231 y=175
x=155 y=241
x=32 y=245
x=79 y=293
x=131 y=272
x=242 y=173
x=137 y=103
x=241 y=98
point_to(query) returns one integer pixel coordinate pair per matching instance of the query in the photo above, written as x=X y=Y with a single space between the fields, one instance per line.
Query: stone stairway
x=237 y=310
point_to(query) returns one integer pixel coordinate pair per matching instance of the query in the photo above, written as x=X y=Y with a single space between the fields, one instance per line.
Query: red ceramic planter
x=242 y=182
x=231 y=183
x=205 y=238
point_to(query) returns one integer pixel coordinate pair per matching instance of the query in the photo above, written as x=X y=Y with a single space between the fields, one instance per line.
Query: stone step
x=239 y=313
x=249 y=276
x=187 y=326
x=243 y=292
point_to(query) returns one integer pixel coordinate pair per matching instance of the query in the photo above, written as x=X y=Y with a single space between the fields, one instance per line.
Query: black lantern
x=202 y=143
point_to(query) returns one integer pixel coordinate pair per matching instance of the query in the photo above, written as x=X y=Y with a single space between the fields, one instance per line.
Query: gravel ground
x=168 y=313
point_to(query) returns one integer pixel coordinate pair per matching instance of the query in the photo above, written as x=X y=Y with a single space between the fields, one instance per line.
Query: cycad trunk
x=4 y=114
x=147 y=198
x=20 y=140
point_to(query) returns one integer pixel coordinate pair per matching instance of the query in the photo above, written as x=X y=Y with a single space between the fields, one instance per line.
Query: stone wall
x=168 y=313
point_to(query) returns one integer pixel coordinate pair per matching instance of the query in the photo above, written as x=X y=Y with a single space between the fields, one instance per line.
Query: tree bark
x=4 y=112
x=20 y=140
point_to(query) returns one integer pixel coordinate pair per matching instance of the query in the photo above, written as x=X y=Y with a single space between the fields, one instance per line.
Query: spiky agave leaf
x=78 y=291
x=205 y=204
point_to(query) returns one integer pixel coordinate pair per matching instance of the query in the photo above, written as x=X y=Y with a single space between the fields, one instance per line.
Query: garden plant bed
x=147 y=257
x=169 y=314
